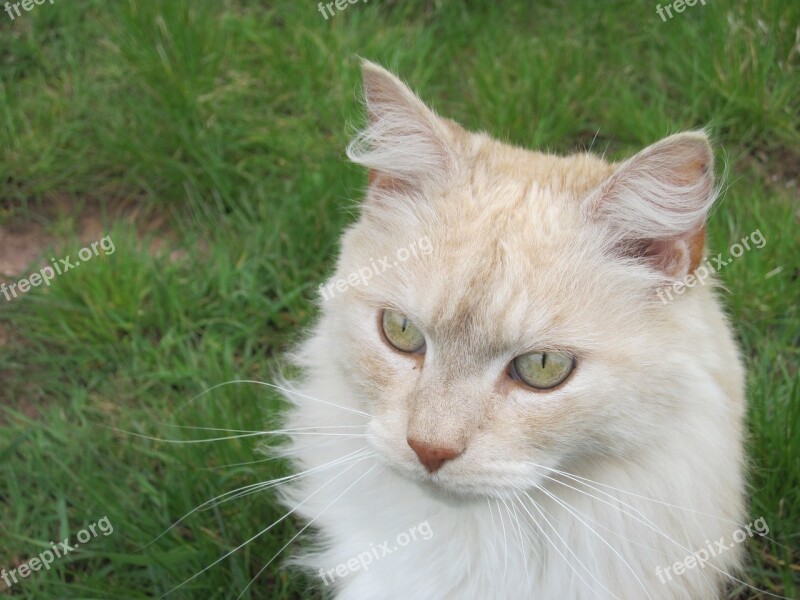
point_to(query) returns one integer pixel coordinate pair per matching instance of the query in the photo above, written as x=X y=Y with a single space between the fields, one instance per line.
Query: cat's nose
x=433 y=457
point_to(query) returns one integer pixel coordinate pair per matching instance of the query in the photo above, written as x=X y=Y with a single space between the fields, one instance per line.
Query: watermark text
x=714 y=548
x=706 y=268
x=13 y=7
x=364 y=274
x=59 y=550
x=47 y=273
x=362 y=562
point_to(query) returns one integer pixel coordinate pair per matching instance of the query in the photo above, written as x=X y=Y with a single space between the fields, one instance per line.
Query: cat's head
x=511 y=319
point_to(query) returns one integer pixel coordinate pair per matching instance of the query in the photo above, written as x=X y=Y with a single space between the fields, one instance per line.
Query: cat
x=520 y=391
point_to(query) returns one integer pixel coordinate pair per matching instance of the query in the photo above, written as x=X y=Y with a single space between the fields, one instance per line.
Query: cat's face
x=526 y=334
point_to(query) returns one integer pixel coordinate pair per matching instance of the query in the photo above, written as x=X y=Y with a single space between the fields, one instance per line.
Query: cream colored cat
x=520 y=390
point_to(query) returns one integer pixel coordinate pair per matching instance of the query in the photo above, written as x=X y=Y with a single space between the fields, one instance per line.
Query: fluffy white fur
x=530 y=252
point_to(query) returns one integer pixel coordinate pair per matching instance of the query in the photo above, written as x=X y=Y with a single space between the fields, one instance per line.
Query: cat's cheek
x=388 y=434
x=388 y=383
x=541 y=426
x=367 y=365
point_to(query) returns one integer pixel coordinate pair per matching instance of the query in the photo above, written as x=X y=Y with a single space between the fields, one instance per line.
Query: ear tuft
x=656 y=203
x=404 y=141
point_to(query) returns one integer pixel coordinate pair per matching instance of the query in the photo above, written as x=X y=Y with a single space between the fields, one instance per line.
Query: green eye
x=402 y=333
x=542 y=370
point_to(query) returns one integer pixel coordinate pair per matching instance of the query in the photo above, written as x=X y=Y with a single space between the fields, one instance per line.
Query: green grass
x=230 y=119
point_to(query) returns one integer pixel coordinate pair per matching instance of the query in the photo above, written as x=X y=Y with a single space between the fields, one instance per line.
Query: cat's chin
x=449 y=495
x=460 y=494
x=453 y=491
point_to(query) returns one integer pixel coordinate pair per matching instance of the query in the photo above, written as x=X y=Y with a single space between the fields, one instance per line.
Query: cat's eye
x=402 y=333
x=542 y=370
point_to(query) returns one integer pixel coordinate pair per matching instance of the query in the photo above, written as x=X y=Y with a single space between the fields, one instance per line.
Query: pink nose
x=432 y=457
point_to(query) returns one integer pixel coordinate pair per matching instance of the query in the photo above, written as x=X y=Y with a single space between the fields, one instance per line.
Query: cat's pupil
x=405 y=325
x=544 y=359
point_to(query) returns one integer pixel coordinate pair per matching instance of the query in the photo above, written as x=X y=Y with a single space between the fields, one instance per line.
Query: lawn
x=205 y=139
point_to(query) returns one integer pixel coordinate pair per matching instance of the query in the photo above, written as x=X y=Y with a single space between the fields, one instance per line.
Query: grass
x=229 y=119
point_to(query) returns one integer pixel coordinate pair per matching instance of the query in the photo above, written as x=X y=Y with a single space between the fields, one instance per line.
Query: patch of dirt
x=23 y=241
x=27 y=242
x=777 y=166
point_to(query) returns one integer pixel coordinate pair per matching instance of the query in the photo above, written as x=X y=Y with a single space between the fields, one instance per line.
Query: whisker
x=233 y=437
x=649 y=524
x=242 y=464
x=494 y=546
x=644 y=520
x=563 y=504
x=286 y=478
x=595 y=522
x=495 y=549
x=505 y=539
x=279 y=453
x=555 y=546
x=265 y=485
x=533 y=546
x=169 y=441
x=306 y=526
x=583 y=481
x=522 y=545
x=293 y=429
x=277 y=387
x=263 y=531
x=516 y=531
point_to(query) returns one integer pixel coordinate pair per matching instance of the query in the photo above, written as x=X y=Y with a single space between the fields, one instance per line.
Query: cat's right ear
x=656 y=203
x=405 y=144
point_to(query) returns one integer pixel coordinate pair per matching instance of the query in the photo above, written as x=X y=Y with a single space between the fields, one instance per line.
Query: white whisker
x=263 y=531
x=494 y=546
x=555 y=546
x=644 y=520
x=306 y=526
x=611 y=487
x=513 y=520
x=251 y=486
x=277 y=387
x=275 y=431
x=505 y=539
x=583 y=481
x=522 y=545
x=169 y=441
x=243 y=464
x=285 y=432
x=265 y=485
x=556 y=498
x=601 y=538
x=647 y=523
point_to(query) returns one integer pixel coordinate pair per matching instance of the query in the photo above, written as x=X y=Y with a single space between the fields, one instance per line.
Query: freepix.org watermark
x=678 y=5
x=362 y=562
x=340 y=5
x=364 y=274
x=715 y=548
x=60 y=550
x=706 y=269
x=46 y=274
x=13 y=7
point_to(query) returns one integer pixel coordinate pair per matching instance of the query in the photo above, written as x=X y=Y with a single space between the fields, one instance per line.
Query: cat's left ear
x=405 y=144
x=656 y=203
